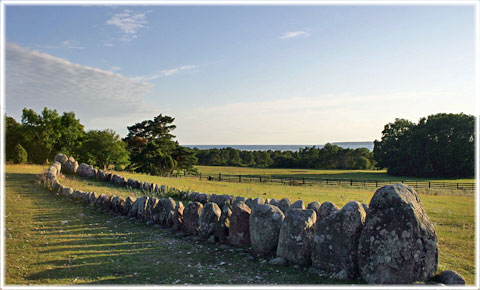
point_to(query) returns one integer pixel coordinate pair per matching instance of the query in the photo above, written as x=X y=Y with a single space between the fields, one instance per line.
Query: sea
x=350 y=145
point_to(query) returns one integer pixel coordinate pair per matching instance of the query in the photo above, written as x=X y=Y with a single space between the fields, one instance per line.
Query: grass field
x=380 y=175
x=452 y=215
x=52 y=240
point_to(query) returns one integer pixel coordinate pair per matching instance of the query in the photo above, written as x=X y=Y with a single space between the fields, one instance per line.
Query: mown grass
x=53 y=240
x=453 y=215
x=380 y=175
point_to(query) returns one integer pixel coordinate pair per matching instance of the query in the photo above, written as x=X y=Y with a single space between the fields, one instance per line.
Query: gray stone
x=191 y=217
x=254 y=202
x=298 y=204
x=93 y=198
x=128 y=205
x=67 y=191
x=149 y=210
x=222 y=228
x=178 y=216
x=70 y=166
x=335 y=242
x=450 y=278
x=239 y=234
x=265 y=223
x=142 y=206
x=239 y=198
x=398 y=244
x=315 y=206
x=365 y=207
x=85 y=170
x=296 y=233
x=134 y=208
x=326 y=209
x=61 y=158
x=274 y=202
x=209 y=217
x=166 y=211
x=284 y=204
x=221 y=200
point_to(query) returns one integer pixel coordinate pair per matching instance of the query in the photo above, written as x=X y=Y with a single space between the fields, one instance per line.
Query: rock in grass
x=142 y=205
x=336 y=239
x=85 y=170
x=239 y=234
x=265 y=223
x=149 y=209
x=128 y=205
x=166 y=210
x=278 y=261
x=450 y=278
x=178 y=216
x=61 y=158
x=191 y=217
x=209 y=217
x=134 y=208
x=67 y=191
x=398 y=244
x=222 y=228
x=296 y=233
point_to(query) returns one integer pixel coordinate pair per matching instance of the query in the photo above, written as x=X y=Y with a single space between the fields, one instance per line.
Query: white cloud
x=36 y=80
x=294 y=34
x=65 y=44
x=165 y=73
x=129 y=22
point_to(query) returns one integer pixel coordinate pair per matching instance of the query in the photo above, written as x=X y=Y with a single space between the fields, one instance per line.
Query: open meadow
x=452 y=215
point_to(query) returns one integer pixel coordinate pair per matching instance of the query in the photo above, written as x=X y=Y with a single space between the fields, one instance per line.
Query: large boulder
x=315 y=206
x=335 y=242
x=178 y=216
x=92 y=198
x=119 y=180
x=222 y=228
x=133 y=209
x=191 y=217
x=85 y=170
x=326 y=209
x=265 y=223
x=149 y=209
x=239 y=198
x=398 y=244
x=296 y=233
x=251 y=203
x=209 y=217
x=128 y=205
x=166 y=210
x=284 y=204
x=60 y=158
x=67 y=191
x=142 y=207
x=298 y=204
x=239 y=234
x=221 y=200
x=450 y=278
x=70 y=166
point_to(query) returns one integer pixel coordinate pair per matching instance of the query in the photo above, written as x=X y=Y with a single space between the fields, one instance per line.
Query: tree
x=48 y=133
x=441 y=145
x=153 y=150
x=20 y=155
x=104 y=148
x=13 y=136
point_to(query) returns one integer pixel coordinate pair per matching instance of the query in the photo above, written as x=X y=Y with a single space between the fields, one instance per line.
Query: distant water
x=351 y=145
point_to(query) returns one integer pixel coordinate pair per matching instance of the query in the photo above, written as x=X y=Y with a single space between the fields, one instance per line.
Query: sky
x=243 y=74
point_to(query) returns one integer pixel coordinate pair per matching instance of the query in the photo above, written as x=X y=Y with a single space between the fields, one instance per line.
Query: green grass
x=380 y=175
x=452 y=215
x=53 y=240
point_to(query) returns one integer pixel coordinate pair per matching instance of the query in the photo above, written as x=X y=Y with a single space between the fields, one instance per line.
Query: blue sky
x=243 y=74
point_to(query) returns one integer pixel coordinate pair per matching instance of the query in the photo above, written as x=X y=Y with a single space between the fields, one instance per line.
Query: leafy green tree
x=13 y=136
x=48 y=133
x=104 y=148
x=20 y=155
x=153 y=150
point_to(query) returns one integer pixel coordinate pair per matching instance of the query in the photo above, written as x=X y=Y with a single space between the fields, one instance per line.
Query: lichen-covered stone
x=315 y=206
x=239 y=234
x=128 y=205
x=398 y=244
x=222 y=228
x=166 y=208
x=265 y=223
x=221 y=200
x=191 y=217
x=296 y=233
x=142 y=206
x=326 y=209
x=149 y=209
x=298 y=204
x=284 y=204
x=450 y=278
x=335 y=242
x=178 y=216
x=85 y=170
x=209 y=217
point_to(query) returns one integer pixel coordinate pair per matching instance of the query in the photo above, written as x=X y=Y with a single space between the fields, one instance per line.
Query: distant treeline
x=441 y=145
x=329 y=157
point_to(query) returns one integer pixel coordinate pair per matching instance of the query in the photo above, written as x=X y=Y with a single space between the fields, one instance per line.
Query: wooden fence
x=305 y=181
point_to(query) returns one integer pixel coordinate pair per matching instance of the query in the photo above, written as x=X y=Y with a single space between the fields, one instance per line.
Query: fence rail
x=305 y=181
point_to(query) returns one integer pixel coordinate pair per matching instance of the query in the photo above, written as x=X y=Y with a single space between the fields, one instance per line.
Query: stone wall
x=389 y=241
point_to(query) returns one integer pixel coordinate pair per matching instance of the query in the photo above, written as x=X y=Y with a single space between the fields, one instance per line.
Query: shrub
x=20 y=155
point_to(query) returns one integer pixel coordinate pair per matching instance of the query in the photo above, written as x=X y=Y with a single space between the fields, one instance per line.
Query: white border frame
x=3 y=3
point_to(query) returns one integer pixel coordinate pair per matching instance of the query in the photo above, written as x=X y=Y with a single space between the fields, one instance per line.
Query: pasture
x=453 y=215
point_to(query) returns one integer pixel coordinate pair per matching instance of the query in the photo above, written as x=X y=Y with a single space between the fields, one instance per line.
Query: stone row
x=389 y=241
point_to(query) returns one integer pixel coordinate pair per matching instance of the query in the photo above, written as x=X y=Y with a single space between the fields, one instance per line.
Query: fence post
x=260 y=178
x=351 y=182
x=457 y=185
x=327 y=181
x=303 y=180
x=239 y=178
x=219 y=177
x=376 y=183
x=429 y=184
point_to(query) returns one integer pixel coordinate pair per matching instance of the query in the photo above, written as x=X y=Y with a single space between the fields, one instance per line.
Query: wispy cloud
x=102 y=99
x=129 y=22
x=294 y=34
x=165 y=73
x=65 y=44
